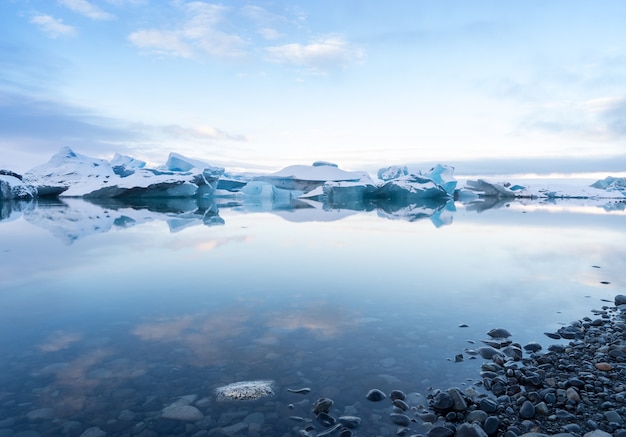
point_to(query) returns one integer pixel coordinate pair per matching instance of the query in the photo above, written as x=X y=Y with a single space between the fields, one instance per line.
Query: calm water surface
x=107 y=309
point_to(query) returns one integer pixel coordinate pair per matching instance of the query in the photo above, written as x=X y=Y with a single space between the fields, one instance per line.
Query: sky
x=532 y=85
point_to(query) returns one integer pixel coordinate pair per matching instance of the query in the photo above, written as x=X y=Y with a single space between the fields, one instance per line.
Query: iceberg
x=308 y=177
x=12 y=187
x=74 y=175
x=611 y=183
x=410 y=188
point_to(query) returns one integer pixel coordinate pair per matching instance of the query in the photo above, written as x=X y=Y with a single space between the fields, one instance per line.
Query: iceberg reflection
x=71 y=219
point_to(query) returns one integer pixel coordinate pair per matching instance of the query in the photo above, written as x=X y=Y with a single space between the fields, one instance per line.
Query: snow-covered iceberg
x=12 y=187
x=608 y=188
x=75 y=175
x=308 y=177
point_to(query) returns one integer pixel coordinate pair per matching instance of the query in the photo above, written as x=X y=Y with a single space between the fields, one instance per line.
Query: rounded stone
x=491 y=425
x=470 y=430
x=488 y=405
x=442 y=402
x=375 y=395
x=187 y=413
x=499 y=333
x=527 y=411
x=397 y=394
x=440 y=431
x=323 y=405
x=605 y=367
x=400 y=419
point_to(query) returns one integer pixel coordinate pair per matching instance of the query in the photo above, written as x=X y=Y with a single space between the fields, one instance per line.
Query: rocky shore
x=577 y=388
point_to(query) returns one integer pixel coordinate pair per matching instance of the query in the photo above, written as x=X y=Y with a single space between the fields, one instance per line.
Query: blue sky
x=360 y=83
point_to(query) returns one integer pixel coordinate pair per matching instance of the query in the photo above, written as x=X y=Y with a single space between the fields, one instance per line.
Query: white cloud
x=270 y=34
x=199 y=33
x=53 y=27
x=322 y=54
x=161 y=42
x=83 y=7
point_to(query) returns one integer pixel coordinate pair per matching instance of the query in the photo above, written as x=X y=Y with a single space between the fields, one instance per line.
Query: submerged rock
x=245 y=390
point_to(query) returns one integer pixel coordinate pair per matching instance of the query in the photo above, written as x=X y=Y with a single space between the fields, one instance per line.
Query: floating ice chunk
x=392 y=172
x=411 y=187
x=245 y=390
x=308 y=177
x=258 y=189
x=443 y=176
x=338 y=193
x=12 y=187
x=490 y=189
x=611 y=183
x=125 y=165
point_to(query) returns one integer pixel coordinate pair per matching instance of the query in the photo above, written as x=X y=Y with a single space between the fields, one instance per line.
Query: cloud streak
x=318 y=55
x=198 y=35
x=87 y=9
x=53 y=27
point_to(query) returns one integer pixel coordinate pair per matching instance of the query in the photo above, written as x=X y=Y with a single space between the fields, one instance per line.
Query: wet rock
x=375 y=395
x=440 y=431
x=527 y=410
x=40 y=414
x=488 y=352
x=326 y=419
x=397 y=394
x=442 y=401
x=488 y=405
x=322 y=405
x=532 y=347
x=350 y=421
x=400 y=419
x=620 y=299
x=478 y=416
x=93 y=432
x=186 y=413
x=470 y=430
x=459 y=403
x=491 y=425
x=499 y=333
x=398 y=403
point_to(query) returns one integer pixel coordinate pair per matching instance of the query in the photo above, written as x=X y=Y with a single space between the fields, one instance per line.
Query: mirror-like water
x=110 y=312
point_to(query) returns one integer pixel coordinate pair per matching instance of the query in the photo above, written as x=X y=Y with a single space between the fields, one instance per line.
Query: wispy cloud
x=318 y=55
x=201 y=132
x=53 y=27
x=161 y=43
x=87 y=9
x=198 y=34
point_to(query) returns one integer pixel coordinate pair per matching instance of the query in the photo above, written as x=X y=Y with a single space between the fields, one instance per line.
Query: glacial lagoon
x=111 y=312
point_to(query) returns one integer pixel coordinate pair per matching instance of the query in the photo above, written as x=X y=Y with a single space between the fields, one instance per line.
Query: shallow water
x=114 y=307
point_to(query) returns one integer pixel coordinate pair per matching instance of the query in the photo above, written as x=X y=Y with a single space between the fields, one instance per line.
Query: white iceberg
x=308 y=177
x=611 y=183
x=12 y=187
x=392 y=172
x=76 y=175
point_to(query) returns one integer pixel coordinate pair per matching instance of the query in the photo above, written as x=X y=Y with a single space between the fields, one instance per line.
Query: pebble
x=375 y=395
x=322 y=405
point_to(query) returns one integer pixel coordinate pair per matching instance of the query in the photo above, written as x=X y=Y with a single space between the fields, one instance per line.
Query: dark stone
x=440 y=431
x=491 y=425
x=350 y=421
x=400 y=419
x=499 y=333
x=470 y=430
x=375 y=395
x=326 y=419
x=527 y=411
x=397 y=394
x=442 y=402
x=398 y=403
x=488 y=405
x=532 y=347
x=323 y=405
x=620 y=299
